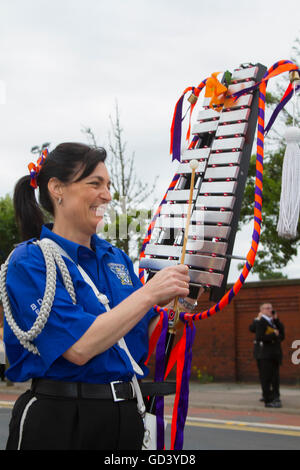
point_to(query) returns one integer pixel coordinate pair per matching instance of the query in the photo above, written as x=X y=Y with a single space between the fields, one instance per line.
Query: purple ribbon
x=242 y=92
x=159 y=377
x=183 y=402
x=176 y=150
x=279 y=107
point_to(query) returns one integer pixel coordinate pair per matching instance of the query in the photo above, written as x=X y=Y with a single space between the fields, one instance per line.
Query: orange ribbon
x=35 y=169
x=216 y=91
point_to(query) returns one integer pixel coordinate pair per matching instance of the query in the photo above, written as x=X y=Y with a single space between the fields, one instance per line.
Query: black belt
x=118 y=391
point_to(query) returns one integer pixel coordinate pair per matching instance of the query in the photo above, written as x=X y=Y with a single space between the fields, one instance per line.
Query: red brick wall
x=223 y=344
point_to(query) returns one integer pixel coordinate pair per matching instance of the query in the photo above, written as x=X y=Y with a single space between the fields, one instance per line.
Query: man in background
x=257 y=346
x=269 y=335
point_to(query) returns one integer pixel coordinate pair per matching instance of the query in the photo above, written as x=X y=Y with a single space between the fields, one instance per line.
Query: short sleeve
x=137 y=284
x=26 y=280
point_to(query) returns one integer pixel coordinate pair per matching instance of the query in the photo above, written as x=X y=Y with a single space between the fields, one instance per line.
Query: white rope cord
x=52 y=257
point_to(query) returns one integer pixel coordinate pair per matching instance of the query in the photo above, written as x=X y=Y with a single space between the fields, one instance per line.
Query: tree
x=274 y=252
x=9 y=234
x=127 y=217
x=9 y=230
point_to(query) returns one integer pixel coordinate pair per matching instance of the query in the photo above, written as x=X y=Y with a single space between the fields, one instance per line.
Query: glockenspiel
x=224 y=146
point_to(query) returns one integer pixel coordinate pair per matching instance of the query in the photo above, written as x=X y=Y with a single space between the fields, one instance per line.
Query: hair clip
x=35 y=169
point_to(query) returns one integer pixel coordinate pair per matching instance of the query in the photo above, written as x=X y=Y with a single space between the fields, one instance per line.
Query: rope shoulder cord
x=53 y=255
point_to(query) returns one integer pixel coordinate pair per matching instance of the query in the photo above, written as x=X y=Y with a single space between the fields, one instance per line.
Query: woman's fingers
x=168 y=283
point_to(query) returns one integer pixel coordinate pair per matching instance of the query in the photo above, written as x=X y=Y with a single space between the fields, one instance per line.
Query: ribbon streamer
x=159 y=377
x=181 y=353
x=284 y=100
x=35 y=169
x=216 y=91
x=175 y=146
x=151 y=227
x=182 y=356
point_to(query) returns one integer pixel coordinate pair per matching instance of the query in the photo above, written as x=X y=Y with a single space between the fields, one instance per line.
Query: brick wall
x=223 y=344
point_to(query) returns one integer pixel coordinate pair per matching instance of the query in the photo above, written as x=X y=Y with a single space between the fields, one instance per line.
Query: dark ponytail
x=29 y=216
x=69 y=162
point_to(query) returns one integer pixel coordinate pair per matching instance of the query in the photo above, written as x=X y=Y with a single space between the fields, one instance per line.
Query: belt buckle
x=113 y=391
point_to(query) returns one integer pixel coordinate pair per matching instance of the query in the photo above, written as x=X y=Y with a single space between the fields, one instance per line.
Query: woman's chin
x=100 y=225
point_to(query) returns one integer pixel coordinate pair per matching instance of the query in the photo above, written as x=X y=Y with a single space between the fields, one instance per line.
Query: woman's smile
x=84 y=205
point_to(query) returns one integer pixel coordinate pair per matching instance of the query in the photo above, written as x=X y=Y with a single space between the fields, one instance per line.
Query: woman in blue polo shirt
x=81 y=395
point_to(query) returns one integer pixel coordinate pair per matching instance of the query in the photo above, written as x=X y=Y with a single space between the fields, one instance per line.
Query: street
x=209 y=434
x=4 y=420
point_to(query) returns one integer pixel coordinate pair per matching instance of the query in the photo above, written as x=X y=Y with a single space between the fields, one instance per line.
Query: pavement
x=239 y=403
x=216 y=404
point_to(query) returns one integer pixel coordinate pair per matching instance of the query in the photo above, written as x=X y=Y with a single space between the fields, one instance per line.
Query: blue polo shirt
x=111 y=271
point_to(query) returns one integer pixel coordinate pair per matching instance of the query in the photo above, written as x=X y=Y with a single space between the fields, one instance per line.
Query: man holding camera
x=269 y=334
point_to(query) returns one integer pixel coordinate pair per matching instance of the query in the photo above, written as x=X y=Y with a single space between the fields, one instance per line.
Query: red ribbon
x=175 y=145
x=181 y=353
x=35 y=169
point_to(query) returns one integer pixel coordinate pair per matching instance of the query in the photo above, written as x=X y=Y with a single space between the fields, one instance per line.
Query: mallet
x=193 y=165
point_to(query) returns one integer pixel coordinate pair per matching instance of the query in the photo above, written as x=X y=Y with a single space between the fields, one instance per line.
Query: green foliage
x=9 y=235
x=227 y=78
x=271 y=99
x=126 y=220
x=274 y=252
x=125 y=230
x=202 y=375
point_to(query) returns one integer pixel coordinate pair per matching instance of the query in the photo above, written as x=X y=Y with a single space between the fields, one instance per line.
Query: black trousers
x=39 y=422
x=259 y=370
x=269 y=370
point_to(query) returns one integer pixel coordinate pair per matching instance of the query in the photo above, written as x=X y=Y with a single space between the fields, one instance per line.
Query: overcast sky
x=64 y=64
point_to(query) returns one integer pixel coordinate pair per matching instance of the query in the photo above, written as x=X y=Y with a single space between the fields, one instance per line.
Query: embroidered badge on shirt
x=121 y=272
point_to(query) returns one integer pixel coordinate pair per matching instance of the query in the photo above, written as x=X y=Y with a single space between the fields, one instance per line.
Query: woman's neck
x=73 y=235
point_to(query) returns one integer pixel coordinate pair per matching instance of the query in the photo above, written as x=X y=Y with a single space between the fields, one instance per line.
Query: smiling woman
x=80 y=205
x=66 y=165
x=83 y=357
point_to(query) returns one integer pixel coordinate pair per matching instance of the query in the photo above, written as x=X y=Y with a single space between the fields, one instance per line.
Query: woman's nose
x=106 y=194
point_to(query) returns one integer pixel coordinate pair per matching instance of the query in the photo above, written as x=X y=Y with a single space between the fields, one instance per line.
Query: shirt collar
x=101 y=246
x=269 y=320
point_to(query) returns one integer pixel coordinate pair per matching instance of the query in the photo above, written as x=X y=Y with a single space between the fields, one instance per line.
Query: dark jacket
x=270 y=343
x=256 y=349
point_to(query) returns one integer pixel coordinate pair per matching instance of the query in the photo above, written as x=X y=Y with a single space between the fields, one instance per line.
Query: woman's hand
x=168 y=283
x=110 y=326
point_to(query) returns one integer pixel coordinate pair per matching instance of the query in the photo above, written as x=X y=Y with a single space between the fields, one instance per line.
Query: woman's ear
x=55 y=188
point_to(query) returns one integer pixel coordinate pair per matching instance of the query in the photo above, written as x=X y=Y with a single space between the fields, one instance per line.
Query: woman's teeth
x=100 y=210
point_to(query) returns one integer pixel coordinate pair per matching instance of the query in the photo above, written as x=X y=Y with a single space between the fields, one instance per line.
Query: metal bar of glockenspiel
x=235 y=257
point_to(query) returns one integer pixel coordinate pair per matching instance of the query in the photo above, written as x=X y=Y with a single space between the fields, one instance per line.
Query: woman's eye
x=99 y=184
